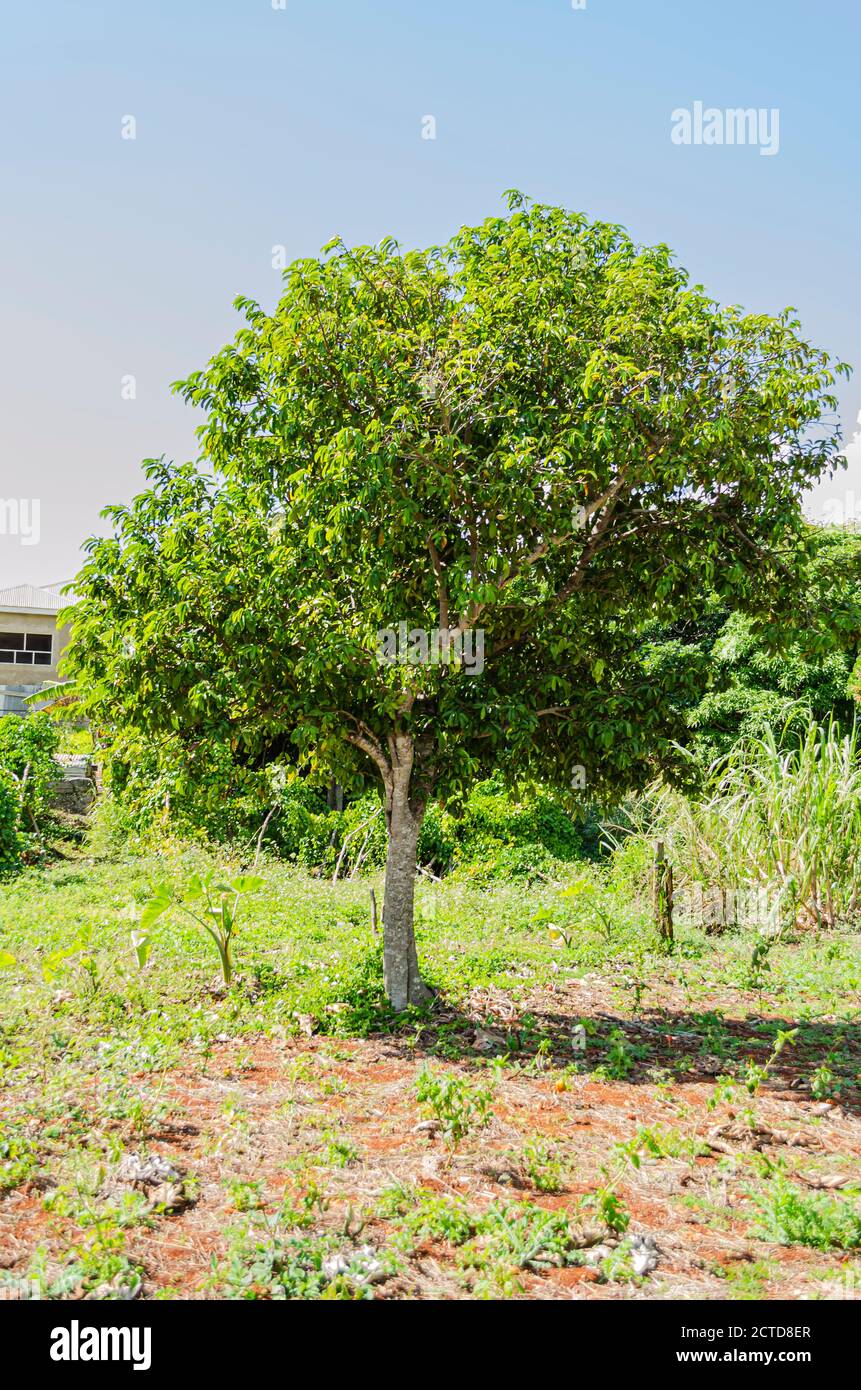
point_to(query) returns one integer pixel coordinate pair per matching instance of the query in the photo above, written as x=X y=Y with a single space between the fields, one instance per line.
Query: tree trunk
x=404 y=984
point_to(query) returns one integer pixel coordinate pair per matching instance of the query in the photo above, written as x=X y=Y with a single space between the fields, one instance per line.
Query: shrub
x=437 y=840
x=500 y=833
x=205 y=794
x=11 y=840
x=302 y=830
x=27 y=748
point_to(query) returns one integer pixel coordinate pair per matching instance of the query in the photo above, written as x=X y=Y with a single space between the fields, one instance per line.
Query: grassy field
x=578 y=1114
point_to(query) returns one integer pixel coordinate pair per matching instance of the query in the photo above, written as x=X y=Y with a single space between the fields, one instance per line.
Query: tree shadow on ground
x=677 y=1046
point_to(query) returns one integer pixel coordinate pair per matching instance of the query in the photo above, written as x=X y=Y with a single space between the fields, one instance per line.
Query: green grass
x=303 y=945
x=305 y=948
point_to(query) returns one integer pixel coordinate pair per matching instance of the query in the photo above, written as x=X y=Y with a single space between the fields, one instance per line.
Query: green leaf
x=142 y=947
x=156 y=907
x=247 y=883
x=193 y=889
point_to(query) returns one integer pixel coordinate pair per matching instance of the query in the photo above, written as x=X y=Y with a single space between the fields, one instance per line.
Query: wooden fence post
x=662 y=893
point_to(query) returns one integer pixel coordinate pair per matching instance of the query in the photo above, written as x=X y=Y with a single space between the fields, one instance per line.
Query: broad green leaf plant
x=209 y=901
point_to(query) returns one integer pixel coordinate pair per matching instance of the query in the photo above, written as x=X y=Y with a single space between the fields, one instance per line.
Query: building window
x=26 y=648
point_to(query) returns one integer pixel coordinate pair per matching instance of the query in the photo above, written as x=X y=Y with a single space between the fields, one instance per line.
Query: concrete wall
x=42 y=623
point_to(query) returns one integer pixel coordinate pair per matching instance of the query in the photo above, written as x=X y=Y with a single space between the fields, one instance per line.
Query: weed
x=521 y=1236
x=458 y=1106
x=755 y=1073
x=745 y=1280
x=18 y=1159
x=338 y=1151
x=792 y=1217
x=621 y=1057
x=824 y=1085
x=95 y=1265
x=429 y=1216
x=210 y=902
x=245 y=1196
x=543 y=1167
x=658 y=1142
x=610 y=1208
x=266 y=1263
x=617 y=1267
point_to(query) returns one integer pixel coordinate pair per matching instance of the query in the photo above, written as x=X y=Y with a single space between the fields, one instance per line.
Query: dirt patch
x=260 y=1122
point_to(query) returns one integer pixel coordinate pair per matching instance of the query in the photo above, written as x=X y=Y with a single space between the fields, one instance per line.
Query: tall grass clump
x=775 y=816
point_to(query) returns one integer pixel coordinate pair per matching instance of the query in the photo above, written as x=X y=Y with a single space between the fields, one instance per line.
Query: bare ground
x=250 y=1109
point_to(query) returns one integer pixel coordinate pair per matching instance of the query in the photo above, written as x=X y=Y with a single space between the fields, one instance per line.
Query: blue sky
x=258 y=127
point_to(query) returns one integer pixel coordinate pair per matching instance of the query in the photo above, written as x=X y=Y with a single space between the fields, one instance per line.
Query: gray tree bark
x=404 y=814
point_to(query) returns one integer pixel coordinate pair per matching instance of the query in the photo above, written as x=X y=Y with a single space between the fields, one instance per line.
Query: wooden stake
x=662 y=893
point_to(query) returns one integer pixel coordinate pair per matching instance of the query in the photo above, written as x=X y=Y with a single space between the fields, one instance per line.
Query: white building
x=30 y=643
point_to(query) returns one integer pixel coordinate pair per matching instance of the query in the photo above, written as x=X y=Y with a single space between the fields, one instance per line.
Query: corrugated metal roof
x=26 y=596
